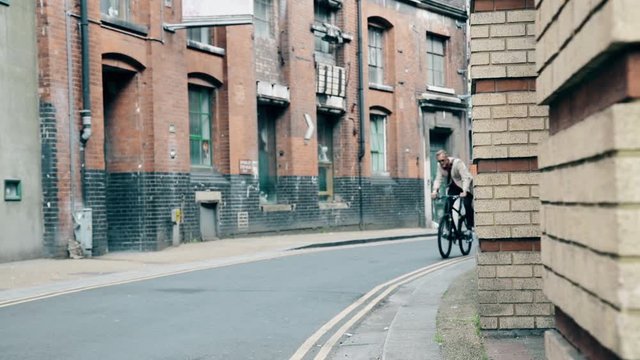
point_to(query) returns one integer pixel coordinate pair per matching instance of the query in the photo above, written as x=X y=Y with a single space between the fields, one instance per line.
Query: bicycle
x=450 y=228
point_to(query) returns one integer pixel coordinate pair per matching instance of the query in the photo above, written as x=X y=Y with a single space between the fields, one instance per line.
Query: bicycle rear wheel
x=445 y=232
x=463 y=241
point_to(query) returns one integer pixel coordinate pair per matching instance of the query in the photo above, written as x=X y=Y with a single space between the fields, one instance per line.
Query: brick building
x=508 y=125
x=246 y=128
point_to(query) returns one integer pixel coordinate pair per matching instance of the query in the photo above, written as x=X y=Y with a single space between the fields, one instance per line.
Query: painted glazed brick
x=96 y=201
x=49 y=168
x=388 y=203
x=139 y=209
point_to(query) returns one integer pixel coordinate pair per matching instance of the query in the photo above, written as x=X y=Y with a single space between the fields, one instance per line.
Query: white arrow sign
x=310 y=127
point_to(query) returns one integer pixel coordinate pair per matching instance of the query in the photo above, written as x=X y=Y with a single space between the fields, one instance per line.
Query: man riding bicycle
x=458 y=180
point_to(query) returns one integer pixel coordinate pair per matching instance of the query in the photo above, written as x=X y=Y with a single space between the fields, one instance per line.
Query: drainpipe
x=85 y=113
x=361 y=112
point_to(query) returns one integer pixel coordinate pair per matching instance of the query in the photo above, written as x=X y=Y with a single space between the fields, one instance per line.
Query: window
x=435 y=60
x=267 y=161
x=200 y=35
x=200 y=114
x=322 y=15
x=376 y=55
x=325 y=158
x=262 y=18
x=119 y=9
x=4 y=2
x=378 y=144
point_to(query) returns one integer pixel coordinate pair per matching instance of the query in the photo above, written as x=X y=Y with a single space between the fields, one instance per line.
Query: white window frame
x=383 y=118
x=433 y=54
x=263 y=13
x=376 y=71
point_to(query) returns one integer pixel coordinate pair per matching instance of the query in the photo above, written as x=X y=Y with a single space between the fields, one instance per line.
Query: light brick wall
x=508 y=125
x=510 y=291
x=590 y=175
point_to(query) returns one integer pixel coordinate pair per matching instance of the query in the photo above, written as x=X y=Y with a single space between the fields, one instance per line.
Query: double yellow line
x=371 y=299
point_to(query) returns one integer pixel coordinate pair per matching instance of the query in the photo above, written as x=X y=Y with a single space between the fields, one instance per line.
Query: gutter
x=85 y=113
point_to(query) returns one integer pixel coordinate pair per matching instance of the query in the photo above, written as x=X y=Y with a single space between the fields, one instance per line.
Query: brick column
x=507 y=127
x=589 y=66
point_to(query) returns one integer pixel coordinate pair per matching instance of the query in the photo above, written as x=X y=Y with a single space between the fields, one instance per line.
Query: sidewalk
x=24 y=280
x=459 y=334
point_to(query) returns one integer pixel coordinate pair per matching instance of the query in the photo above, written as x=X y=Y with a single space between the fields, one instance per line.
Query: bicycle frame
x=453 y=207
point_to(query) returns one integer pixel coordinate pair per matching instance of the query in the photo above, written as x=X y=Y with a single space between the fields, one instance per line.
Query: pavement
x=457 y=332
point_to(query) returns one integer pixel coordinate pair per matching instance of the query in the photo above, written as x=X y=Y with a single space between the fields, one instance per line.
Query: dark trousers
x=467 y=201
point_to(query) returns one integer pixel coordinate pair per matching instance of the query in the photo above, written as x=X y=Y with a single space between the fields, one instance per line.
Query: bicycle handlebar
x=447 y=197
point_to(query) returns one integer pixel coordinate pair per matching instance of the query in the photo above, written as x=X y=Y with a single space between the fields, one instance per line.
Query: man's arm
x=465 y=175
x=437 y=180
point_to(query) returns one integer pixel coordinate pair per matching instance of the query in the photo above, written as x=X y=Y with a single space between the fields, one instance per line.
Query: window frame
x=267 y=120
x=377 y=69
x=324 y=135
x=323 y=46
x=126 y=17
x=432 y=54
x=209 y=93
x=128 y=23
x=264 y=30
x=208 y=36
x=380 y=150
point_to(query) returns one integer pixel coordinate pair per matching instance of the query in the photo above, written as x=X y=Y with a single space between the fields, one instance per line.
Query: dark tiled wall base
x=138 y=206
x=49 y=167
x=139 y=209
x=96 y=181
x=386 y=203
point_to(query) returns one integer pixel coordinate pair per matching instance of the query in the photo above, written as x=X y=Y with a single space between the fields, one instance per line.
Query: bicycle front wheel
x=445 y=232
x=465 y=240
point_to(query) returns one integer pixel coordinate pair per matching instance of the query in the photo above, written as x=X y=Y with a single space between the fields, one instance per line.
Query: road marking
x=389 y=286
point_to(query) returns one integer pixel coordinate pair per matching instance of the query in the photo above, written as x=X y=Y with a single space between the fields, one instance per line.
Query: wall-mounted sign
x=248 y=167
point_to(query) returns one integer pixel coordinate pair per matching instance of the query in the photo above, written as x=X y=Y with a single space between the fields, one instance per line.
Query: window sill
x=124 y=25
x=207 y=175
x=277 y=207
x=385 y=88
x=382 y=179
x=441 y=89
x=195 y=45
x=333 y=205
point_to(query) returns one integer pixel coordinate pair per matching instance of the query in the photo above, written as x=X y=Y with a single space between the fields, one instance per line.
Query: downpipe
x=361 y=133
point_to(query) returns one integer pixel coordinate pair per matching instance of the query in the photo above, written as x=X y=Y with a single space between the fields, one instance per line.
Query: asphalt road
x=260 y=310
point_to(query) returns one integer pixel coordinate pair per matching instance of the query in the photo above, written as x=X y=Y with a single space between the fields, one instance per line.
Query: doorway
x=123 y=149
x=208 y=221
x=437 y=141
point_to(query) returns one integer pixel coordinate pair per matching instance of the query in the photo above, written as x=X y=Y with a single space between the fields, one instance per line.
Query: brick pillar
x=507 y=127
x=589 y=66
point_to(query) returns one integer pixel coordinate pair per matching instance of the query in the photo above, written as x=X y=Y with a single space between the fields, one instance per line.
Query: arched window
x=201 y=115
x=378 y=134
x=378 y=50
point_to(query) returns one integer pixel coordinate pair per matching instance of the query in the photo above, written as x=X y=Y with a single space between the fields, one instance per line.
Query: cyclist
x=458 y=180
